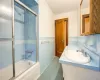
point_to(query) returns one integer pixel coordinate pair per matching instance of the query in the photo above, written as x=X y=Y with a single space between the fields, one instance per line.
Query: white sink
x=77 y=57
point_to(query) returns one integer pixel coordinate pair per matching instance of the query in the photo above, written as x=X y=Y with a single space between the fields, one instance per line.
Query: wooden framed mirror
x=90 y=17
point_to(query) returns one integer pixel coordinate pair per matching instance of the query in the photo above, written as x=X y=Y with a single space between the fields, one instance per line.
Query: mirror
x=86 y=26
x=85 y=17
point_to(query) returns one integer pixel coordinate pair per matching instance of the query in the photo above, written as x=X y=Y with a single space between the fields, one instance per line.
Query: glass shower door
x=25 y=38
x=6 y=67
x=18 y=45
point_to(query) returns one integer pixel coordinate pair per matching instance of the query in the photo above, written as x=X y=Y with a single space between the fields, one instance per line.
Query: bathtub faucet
x=28 y=54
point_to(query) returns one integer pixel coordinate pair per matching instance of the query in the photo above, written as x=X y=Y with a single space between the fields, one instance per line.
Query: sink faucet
x=84 y=53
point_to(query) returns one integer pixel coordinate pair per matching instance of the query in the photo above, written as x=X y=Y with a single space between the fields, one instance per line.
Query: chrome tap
x=84 y=53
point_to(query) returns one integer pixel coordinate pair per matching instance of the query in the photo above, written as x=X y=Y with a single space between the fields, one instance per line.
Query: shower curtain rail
x=19 y=2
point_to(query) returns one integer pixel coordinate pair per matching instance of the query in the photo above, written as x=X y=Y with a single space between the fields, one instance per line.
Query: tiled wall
x=91 y=45
x=72 y=43
x=46 y=51
x=25 y=34
x=19 y=33
x=30 y=34
x=46 y=35
x=91 y=42
x=5 y=54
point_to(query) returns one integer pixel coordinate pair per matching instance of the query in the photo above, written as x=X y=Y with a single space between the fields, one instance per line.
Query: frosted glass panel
x=5 y=19
x=6 y=69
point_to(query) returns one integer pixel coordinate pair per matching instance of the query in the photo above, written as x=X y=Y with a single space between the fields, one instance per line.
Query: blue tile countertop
x=94 y=64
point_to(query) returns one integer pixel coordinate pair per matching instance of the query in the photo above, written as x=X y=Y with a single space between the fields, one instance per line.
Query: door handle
x=62 y=41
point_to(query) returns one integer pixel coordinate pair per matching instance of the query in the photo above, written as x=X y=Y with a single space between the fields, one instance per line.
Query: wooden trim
x=62 y=19
x=81 y=18
x=55 y=39
x=86 y=34
x=67 y=31
x=86 y=15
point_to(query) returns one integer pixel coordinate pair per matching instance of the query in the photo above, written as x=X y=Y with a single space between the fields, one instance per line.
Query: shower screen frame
x=13 y=36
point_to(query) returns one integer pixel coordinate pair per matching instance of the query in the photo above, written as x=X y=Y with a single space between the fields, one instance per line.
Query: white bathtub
x=20 y=67
x=32 y=73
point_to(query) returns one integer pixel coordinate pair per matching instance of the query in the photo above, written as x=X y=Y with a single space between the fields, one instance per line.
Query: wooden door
x=61 y=35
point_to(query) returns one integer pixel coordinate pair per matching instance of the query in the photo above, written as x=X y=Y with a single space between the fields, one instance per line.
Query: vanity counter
x=93 y=64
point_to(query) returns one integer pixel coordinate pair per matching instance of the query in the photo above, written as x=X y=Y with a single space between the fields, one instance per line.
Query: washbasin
x=77 y=57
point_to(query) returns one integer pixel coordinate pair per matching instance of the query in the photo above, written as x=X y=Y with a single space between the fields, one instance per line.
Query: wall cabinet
x=90 y=17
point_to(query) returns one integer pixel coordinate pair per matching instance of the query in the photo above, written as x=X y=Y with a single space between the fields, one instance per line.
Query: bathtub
x=31 y=68
x=23 y=65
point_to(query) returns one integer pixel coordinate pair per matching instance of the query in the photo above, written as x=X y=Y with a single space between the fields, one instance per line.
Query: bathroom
x=29 y=30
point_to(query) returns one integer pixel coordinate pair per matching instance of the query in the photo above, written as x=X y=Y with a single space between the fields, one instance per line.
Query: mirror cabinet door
x=90 y=17
x=85 y=17
x=95 y=16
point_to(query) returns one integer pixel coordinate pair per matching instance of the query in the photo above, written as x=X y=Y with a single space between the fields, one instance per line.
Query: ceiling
x=61 y=6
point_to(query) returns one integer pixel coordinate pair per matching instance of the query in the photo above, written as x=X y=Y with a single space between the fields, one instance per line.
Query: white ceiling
x=61 y=6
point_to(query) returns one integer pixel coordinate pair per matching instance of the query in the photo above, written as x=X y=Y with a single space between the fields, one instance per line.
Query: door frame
x=66 y=19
